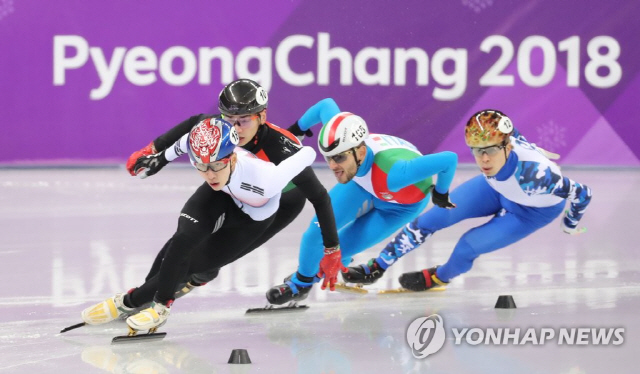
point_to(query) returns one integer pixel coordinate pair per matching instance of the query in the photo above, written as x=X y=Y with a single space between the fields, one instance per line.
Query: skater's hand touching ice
x=571 y=230
x=329 y=267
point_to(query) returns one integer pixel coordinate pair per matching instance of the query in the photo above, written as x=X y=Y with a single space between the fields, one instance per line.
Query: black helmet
x=242 y=96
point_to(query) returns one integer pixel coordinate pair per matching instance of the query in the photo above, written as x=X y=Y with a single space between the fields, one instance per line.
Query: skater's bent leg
x=474 y=198
x=291 y=204
x=155 y=267
x=373 y=227
x=499 y=232
x=143 y=294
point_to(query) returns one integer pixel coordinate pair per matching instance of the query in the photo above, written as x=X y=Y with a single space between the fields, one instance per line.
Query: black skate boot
x=421 y=280
x=293 y=289
x=367 y=273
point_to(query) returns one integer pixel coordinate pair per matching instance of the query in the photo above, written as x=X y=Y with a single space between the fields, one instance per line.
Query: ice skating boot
x=106 y=311
x=421 y=280
x=151 y=318
x=293 y=289
x=367 y=273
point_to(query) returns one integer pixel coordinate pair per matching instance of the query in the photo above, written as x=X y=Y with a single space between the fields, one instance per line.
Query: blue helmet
x=211 y=140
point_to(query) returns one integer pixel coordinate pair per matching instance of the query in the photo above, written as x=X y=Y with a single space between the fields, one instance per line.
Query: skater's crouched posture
x=383 y=183
x=520 y=188
x=243 y=103
x=240 y=195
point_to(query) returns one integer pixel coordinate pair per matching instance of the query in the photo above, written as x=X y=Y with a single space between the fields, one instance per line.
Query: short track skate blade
x=404 y=290
x=291 y=307
x=138 y=338
x=357 y=289
x=72 y=327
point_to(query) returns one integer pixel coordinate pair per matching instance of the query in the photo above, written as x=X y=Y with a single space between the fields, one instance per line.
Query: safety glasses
x=242 y=121
x=215 y=166
x=489 y=151
x=339 y=158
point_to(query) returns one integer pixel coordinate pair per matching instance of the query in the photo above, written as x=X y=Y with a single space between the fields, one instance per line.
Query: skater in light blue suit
x=520 y=186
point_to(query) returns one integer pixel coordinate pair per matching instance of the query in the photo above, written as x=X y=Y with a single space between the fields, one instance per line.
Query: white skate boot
x=106 y=311
x=149 y=319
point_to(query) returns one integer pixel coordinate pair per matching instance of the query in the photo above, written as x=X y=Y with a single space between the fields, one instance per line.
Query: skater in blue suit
x=520 y=187
x=384 y=182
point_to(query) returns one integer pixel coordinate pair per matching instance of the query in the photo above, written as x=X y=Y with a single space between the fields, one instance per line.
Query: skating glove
x=441 y=199
x=298 y=132
x=149 y=165
x=571 y=230
x=131 y=162
x=329 y=266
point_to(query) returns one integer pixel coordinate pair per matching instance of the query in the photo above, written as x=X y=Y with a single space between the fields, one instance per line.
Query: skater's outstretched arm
x=407 y=172
x=149 y=165
x=287 y=169
x=164 y=141
x=579 y=196
x=314 y=191
x=321 y=112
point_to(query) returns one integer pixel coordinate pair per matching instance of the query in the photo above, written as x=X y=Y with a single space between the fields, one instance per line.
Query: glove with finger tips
x=441 y=199
x=298 y=132
x=149 y=165
x=146 y=151
x=329 y=266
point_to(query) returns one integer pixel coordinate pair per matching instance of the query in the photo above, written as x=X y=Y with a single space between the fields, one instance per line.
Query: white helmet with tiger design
x=211 y=140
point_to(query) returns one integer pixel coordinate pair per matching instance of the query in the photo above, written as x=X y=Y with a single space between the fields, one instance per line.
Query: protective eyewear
x=339 y=158
x=243 y=122
x=215 y=166
x=489 y=151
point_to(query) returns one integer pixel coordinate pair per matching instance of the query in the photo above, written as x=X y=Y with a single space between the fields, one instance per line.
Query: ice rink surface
x=72 y=237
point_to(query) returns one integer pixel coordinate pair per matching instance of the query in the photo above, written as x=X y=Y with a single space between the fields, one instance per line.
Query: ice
x=72 y=237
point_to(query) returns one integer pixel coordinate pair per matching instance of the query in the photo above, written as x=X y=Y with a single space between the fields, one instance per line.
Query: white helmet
x=343 y=132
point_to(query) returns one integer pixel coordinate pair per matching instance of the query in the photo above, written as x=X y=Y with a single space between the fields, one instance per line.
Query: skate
x=422 y=280
x=291 y=307
x=103 y=312
x=357 y=289
x=182 y=291
x=106 y=311
x=367 y=273
x=123 y=317
x=149 y=320
x=133 y=336
x=401 y=290
x=291 y=290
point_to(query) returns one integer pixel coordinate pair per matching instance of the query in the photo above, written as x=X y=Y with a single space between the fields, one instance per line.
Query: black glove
x=149 y=165
x=298 y=132
x=441 y=199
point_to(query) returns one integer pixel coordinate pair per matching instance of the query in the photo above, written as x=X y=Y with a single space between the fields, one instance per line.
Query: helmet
x=211 y=140
x=343 y=132
x=487 y=128
x=242 y=96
